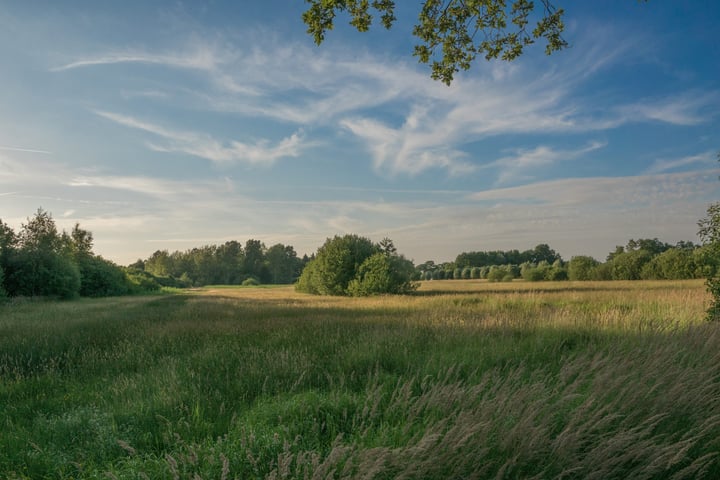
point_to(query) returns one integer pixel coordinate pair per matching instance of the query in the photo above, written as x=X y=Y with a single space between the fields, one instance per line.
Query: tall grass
x=462 y=380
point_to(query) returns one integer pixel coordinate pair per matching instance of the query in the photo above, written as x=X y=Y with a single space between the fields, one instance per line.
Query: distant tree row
x=643 y=259
x=227 y=264
x=40 y=261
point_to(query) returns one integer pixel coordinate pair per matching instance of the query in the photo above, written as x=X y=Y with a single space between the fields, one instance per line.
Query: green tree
x=159 y=263
x=672 y=264
x=282 y=264
x=452 y=33
x=709 y=234
x=387 y=246
x=40 y=265
x=581 y=267
x=8 y=241
x=496 y=274
x=254 y=262
x=336 y=263
x=629 y=265
x=382 y=273
x=3 y=293
x=101 y=278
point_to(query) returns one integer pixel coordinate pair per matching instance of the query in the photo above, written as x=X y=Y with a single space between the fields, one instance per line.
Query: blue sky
x=169 y=125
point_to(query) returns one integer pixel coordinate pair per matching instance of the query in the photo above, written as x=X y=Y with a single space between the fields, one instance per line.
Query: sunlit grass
x=465 y=379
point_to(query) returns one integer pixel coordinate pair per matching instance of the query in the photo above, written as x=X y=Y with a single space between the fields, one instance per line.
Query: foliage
x=283 y=265
x=141 y=281
x=501 y=273
x=354 y=265
x=581 y=268
x=3 y=293
x=532 y=272
x=250 y=282
x=629 y=265
x=42 y=273
x=227 y=264
x=37 y=264
x=336 y=263
x=672 y=264
x=541 y=252
x=709 y=234
x=382 y=273
x=452 y=33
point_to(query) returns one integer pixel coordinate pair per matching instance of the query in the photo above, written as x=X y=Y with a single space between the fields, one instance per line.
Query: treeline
x=40 y=261
x=226 y=264
x=643 y=259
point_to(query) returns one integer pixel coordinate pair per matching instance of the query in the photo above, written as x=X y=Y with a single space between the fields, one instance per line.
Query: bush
x=534 y=273
x=43 y=273
x=382 y=273
x=581 y=268
x=672 y=264
x=3 y=293
x=353 y=265
x=629 y=265
x=602 y=271
x=101 y=278
x=140 y=281
x=496 y=274
x=250 y=282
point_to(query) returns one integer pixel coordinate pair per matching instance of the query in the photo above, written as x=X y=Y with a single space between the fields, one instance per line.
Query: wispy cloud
x=524 y=161
x=702 y=160
x=630 y=191
x=26 y=150
x=201 y=59
x=204 y=146
x=432 y=124
x=690 y=108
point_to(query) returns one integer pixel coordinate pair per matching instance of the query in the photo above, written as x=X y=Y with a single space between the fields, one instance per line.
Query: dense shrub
x=353 y=265
x=141 y=281
x=382 y=273
x=43 y=273
x=672 y=264
x=496 y=274
x=101 y=278
x=3 y=293
x=581 y=267
x=629 y=265
x=531 y=272
x=250 y=282
x=336 y=264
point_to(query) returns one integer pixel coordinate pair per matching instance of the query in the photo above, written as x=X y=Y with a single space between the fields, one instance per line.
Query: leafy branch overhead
x=452 y=33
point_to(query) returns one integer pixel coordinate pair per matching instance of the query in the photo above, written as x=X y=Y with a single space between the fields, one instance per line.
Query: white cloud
x=523 y=161
x=204 y=146
x=25 y=150
x=305 y=86
x=689 y=108
x=702 y=160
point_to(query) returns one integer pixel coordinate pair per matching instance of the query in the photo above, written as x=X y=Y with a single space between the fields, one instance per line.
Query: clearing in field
x=464 y=379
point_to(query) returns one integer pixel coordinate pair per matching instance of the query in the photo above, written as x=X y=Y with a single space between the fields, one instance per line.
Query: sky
x=172 y=125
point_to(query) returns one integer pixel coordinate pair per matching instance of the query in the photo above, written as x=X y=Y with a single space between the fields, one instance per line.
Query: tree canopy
x=709 y=233
x=354 y=265
x=452 y=33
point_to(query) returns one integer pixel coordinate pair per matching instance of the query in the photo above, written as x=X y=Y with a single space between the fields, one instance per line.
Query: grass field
x=465 y=379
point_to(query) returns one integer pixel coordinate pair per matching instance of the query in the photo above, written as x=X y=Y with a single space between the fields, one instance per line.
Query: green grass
x=465 y=379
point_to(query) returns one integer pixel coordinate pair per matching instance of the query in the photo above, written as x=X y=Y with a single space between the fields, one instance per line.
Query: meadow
x=464 y=379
